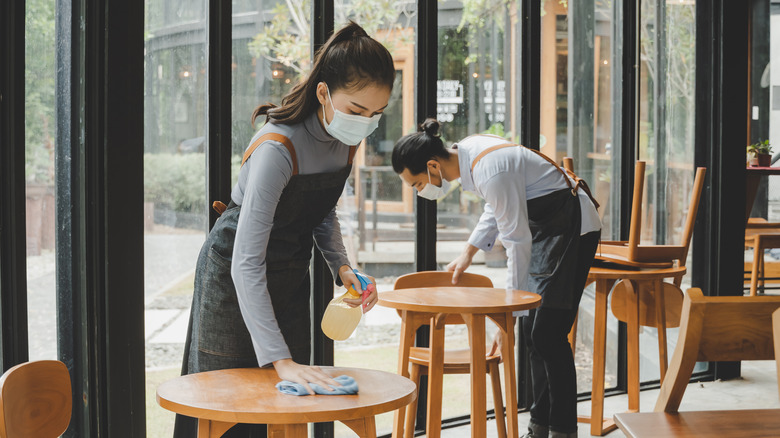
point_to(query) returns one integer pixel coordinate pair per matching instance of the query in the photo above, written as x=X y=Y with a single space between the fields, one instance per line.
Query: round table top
x=455 y=299
x=249 y=395
x=597 y=273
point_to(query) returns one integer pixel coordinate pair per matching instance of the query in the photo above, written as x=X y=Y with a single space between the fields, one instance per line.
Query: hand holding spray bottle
x=340 y=320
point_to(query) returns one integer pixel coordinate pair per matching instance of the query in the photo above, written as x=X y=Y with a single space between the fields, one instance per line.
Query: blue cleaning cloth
x=348 y=386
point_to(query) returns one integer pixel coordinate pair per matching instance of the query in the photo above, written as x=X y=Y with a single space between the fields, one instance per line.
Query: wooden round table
x=473 y=304
x=220 y=399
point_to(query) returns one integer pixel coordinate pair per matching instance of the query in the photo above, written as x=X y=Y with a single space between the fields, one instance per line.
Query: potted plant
x=759 y=154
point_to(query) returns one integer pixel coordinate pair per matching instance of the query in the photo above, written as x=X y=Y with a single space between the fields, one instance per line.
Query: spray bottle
x=340 y=320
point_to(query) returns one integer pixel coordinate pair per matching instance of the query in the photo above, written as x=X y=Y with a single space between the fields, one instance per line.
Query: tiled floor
x=757 y=389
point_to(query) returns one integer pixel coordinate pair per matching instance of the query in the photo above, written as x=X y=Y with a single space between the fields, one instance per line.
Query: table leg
x=476 y=327
x=435 y=376
x=300 y=430
x=660 y=319
x=598 y=425
x=363 y=427
x=632 y=344
x=212 y=429
x=407 y=339
x=758 y=254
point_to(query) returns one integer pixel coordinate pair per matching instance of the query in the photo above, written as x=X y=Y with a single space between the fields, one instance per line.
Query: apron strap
x=274 y=137
x=220 y=206
x=579 y=182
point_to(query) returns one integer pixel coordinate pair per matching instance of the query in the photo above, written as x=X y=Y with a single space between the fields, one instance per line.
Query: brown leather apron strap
x=220 y=206
x=273 y=137
x=567 y=174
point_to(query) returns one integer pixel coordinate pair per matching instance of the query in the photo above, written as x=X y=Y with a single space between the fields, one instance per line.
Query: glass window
x=40 y=129
x=376 y=211
x=764 y=125
x=175 y=220
x=666 y=135
x=477 y=92
x=577 y=109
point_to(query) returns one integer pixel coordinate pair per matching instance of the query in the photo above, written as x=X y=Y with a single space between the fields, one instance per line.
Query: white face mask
x=433 y=192
x=349 y=129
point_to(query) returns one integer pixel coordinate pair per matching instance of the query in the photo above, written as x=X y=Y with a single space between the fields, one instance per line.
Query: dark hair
x=349 y=59
x=413 y=151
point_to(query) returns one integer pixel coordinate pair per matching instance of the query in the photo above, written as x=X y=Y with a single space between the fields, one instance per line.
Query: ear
x=322 y=93
x=433 y=165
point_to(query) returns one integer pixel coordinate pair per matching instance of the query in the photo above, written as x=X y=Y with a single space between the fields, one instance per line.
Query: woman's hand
x=303 y=374
x=350 y=279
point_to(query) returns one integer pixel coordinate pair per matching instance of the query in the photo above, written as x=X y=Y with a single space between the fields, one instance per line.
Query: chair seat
x=455 y=361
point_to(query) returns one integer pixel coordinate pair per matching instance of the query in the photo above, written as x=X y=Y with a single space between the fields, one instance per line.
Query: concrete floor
x=757 y=389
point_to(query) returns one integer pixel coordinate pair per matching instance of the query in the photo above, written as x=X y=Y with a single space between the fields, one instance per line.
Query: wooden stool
x=455 y=362
x=760 y=240
x=221 y=399
x=638 y=309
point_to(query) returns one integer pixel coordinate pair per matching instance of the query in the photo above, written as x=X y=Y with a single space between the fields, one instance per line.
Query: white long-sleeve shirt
x=260 y=183
x=506 y=179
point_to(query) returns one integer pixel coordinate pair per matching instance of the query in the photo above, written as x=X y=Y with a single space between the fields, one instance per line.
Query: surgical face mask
x=349 y=129
x=432 y=192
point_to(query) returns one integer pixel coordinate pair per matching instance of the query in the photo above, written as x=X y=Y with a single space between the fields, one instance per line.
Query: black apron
x=217 y=336
x=555 y=222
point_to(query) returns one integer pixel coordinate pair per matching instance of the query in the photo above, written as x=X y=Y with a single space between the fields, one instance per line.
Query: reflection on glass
x=576 y=107
x=376 y=212
x=175 y=84
x=40 y=127
x=666 y=134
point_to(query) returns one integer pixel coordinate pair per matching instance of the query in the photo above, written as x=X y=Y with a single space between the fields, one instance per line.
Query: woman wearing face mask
x=251 y=300
x=550 y=228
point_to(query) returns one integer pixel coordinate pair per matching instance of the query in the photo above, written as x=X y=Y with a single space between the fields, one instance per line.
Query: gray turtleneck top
x=260 y=183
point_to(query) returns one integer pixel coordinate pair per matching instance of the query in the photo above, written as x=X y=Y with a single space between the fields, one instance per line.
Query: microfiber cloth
x=348 y=386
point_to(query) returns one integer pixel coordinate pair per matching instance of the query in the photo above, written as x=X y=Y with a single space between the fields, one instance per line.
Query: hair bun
x=431 y=127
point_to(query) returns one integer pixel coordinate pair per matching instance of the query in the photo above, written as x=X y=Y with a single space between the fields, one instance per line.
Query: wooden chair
x=712 y=329
x=455 y=361
x=35 y=400
x=776 y=339
x=631 y=253
x=760 y=239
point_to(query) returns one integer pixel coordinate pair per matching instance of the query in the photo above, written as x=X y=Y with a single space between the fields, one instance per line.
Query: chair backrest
x=717 y=329
x=633 y=251
x=693 y=209
x=35 y=400
x=440 y=278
